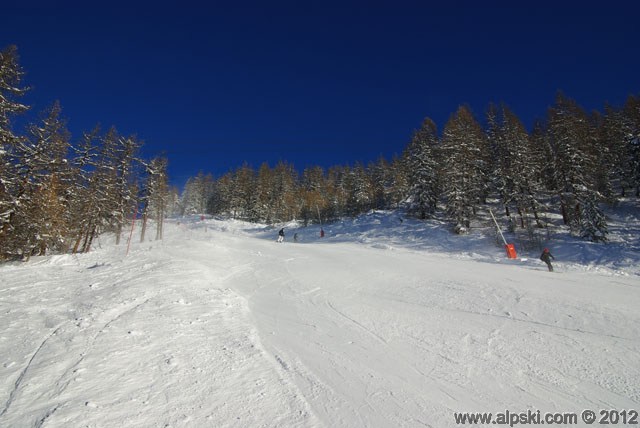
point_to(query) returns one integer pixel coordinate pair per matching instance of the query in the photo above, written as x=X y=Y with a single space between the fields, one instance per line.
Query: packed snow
x=384 y=322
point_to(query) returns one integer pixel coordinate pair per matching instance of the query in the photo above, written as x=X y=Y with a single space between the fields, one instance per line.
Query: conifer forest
x=58 y=192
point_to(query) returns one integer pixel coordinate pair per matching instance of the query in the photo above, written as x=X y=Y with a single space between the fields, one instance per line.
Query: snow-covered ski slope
x=382 y=323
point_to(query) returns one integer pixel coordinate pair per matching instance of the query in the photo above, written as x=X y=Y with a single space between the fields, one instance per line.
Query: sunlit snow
x=385 y=322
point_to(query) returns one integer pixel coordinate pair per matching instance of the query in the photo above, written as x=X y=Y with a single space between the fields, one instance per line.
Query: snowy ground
x=382 y=323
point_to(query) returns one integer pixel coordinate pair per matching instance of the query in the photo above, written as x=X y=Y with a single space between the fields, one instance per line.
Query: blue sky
x=313 y=83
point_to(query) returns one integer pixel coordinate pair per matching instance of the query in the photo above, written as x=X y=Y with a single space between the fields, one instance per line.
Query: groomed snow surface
x=382 y=323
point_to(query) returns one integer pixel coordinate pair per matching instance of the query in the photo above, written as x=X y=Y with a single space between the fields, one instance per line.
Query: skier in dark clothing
x=546 y=257
x=281 y=235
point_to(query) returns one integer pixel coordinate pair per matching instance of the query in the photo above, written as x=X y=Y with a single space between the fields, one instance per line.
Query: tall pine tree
x=422 y=163
x=11 y=74
x=571 y=136
x=465 y=168
x=514 y=164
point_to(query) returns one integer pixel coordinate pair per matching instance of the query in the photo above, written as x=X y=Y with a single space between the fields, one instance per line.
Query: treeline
x=58 y=195
x=573 y=161
x=280 y=194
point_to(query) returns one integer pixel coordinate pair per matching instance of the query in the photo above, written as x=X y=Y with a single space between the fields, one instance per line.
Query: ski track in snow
x=218 y=326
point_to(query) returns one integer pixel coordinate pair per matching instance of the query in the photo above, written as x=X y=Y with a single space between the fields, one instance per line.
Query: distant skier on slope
x=281 y=235
x=546 y=257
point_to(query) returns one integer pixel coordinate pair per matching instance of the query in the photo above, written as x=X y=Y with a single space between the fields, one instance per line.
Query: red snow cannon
x=511 y=251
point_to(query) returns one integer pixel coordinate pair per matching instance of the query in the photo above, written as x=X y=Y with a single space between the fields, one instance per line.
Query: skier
x=281 y=235
x=295 y=237
x=546 y=257
x=321 y=232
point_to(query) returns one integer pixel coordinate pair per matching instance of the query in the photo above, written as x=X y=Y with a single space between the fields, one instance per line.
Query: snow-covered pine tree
x=514 y=166
x=399 y=182
x=47 y=180
x=422 y=164
x=571 y=137
x=265 y=195
x=188 y=203
x=314 y=195
x=465 y=164
x=11 y=74
x=173 y=201
x=543 y=156
x=155 y=198
x=286 y=203
x=603 y=156
x=82 y=200
x=126 y=189
x=161 y=194
x=381 y=179
x=337 y=180
x=631 y=126
x=612 y=136
x=220 y=200
x=102 y=186
x=197 y=192
x=359 y=190
x=501 y=157
x=593 y=224
x=144 y=199
x=243 y=195
x=113 y=183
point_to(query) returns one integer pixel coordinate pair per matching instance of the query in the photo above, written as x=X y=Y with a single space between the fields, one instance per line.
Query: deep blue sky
x=313 y=83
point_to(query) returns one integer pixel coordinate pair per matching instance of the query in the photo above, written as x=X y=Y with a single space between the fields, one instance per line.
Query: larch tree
x=126 y=189
x=114 y=183
x=243 y=194
x=156 y=196
x=314 y=195
x=47 y=180
x=264 y=197
x=101 y=184
x=337 y=183
x=161 y=194
x=11 y=74
x=83 y=201
x=399 y=182
x=286 y=203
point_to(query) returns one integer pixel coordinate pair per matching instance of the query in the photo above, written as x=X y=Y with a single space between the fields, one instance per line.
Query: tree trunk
x=565 y=217
x=159 y=225
x=118 y=233
x=77 y=244
x=90 y=235
x=144 y=227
